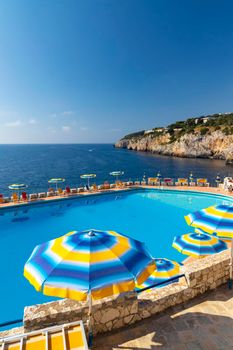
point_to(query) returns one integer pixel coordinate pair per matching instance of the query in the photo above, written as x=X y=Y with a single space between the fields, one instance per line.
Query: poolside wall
x=112 y=313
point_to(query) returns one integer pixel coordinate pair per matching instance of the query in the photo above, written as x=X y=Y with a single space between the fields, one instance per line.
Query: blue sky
x=93 y=70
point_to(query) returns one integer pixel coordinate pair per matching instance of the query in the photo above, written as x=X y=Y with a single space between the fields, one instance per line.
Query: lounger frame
x=46 y=332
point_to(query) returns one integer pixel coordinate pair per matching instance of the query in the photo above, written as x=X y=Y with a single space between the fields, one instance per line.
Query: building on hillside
x=148 y=131
x=202 y=120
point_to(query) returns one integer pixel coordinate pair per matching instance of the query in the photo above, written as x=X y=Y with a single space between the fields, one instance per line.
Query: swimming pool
x=153 y=216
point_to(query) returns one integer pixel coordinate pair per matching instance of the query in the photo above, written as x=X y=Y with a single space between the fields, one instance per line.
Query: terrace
x=184 y=310
x=200 y=324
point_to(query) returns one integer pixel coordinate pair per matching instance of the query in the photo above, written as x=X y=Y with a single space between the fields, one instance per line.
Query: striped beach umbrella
x=216 y=220
x=198 y=245
x=17 y=187
x=165 y=270
x=88 y=264
x=56 y=181
x=99 y=263
x=88 y=177
x=117 y=174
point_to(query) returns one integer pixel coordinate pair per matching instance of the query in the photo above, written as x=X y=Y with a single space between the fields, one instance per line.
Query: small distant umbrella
x=56 y=181
x=17 y=187
x=116 y=174
x=218 y=179
x=88 y=177
x=191 y=178
x=165 y=270
x=198 y=245
x=159 y=176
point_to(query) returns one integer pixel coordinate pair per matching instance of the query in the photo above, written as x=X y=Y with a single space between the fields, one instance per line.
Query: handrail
x=8 y=323
x=159 y=284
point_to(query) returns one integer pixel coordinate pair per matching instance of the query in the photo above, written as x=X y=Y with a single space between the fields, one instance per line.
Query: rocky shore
x=215 y=145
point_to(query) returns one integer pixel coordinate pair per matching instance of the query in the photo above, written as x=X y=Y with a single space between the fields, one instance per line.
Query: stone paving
x=205 y=323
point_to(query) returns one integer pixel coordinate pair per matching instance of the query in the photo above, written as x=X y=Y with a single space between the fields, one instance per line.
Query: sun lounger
x=106 y=185
x=202 y=182
x=73 y=190
x=42 y=195
x=129 y=183
x=137 y=183
x=59 y=192
x=181 y=182
x=7 y=199
x=112 y=185
x=192 y=183
x=80 y=189
x=15 y=197
x=66 y=337
x=24 y=196
x=167 y=181
x=143 y=183
x=100 y=187
x=153 y=181
x=67 y=190
x=94 y=187
x=51 y=194
x=33 y=196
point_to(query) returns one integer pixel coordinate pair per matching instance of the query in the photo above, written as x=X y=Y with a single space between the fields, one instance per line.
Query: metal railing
x=166 y=282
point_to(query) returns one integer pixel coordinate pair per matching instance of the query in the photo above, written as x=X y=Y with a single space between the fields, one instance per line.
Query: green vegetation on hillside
x=134 y=135
x=202 y=125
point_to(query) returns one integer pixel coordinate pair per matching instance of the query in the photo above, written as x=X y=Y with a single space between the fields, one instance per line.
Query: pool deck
x=205 y=323
x=202 y=189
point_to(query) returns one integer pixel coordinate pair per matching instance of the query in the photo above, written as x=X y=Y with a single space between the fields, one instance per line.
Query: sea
x=34 y=165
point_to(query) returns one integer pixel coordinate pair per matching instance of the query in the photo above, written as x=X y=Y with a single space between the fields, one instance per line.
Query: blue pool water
x=152 y=216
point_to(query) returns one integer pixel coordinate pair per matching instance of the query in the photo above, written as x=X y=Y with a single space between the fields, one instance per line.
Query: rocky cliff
x=201 y=142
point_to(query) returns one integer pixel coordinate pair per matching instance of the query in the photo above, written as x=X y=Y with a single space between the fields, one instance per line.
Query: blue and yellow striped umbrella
x=56 y=180
x=88 y=263
x=17 y=187
x=165 y=270
x=215 y=219
x=198 y=245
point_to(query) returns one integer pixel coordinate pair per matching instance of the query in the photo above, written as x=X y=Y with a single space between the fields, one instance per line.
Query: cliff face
x=191 y=145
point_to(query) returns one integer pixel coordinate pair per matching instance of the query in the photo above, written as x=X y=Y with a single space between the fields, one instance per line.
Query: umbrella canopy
x=17 y=187
x=56 y=180
x=88 y=177
x=198 y=245
x=88 y=263
x=215 y=219
x=191 y=178
x=165 y=269
x=116 y=173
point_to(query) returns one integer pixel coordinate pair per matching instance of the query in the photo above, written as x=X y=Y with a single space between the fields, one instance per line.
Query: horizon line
x=56 y=143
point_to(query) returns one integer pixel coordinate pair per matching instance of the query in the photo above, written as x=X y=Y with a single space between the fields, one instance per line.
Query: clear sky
x=89 y=71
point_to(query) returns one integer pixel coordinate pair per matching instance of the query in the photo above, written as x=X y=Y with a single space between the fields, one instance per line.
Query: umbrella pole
x=90 y=334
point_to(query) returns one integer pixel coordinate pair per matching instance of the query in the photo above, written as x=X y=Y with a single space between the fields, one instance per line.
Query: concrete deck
x=213 y=190
x=205 y=323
